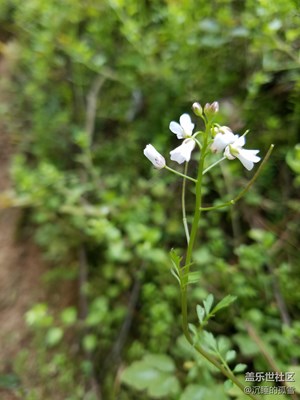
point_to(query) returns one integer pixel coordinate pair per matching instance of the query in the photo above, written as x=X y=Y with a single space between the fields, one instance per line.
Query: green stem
x=180 y=174
x=248 y=186
x=188 y=261
x=213 y=165
x=186 y=228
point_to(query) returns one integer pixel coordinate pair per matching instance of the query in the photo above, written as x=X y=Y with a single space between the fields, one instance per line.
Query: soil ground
x=21 y=265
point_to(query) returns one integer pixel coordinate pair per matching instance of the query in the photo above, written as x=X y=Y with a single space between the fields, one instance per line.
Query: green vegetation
x=92 y=82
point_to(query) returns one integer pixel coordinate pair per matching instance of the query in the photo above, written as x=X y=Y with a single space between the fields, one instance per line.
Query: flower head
x=185 y=127
x=223 y=136
x=183 y=152
x=197 y=109
x=211 y=109
x=246 y=157
x=154 y=156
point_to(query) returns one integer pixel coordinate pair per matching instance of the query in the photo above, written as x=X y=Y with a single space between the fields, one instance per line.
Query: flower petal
x=177 y=129
x=154 y=156
x=183 y=152
x=187 y=125
x=248 y=158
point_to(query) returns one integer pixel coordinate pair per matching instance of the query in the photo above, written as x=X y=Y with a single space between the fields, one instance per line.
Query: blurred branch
x=286 y=319
x=91 y=107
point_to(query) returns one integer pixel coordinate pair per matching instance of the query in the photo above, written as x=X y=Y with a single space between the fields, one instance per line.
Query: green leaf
x=240 y=368
x=193 y=329
x=230 y=355
x=200 y=313
x=200 y=392
x=296 y=377
x=54 y=336
x=208 y=302
x=164 y=386
x=89 y=342
x=176 y=259
x=69 y=316
x=228 y=384
x=160 y=361
x=155 y=374
x=194 y=277
x=224 y=303
x=210 y=340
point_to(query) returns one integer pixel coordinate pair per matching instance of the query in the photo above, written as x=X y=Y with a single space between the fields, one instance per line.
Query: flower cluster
x=232 y=145
x=221 y=139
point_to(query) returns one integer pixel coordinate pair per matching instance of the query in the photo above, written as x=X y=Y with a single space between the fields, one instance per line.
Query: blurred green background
x=87 y=85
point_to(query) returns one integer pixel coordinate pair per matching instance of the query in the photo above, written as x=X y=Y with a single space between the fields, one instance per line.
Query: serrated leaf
x=240 y=368
x=208 y=302
x=200 y=313
x=224 y=303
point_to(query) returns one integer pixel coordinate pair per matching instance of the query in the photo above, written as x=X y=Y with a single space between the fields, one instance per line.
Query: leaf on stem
x=208 y=302
x=224 y=303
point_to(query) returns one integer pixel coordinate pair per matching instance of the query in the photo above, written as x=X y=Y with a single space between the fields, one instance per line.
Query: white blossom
x=246 y=157
x=185 y=127
x=154 y=156
x=223 y=136
x=183 y=152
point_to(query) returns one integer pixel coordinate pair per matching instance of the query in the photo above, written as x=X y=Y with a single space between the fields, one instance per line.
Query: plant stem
x=184 y=220
x=180 y=174
x=188 y=260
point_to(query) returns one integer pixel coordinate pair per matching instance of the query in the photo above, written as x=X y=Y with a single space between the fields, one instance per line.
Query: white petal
x=154 y=156
x=221 y=140
x=177 y=129
x=187 y=125
x=183 y=152
x=240 y=142
x=246 y=163
x=248 y=158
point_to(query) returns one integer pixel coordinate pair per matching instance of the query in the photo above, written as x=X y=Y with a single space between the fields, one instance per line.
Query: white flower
x=154 y=156
x=223 y=137
x=183 y=152
x=246 y=157
x=184 y=129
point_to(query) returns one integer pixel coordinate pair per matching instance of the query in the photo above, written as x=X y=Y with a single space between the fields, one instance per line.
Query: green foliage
x=155 y=374
x=87 y=188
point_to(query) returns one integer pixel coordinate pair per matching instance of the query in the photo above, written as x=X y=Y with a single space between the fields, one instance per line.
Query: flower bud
x=211 y=109
x=197 y=109
x=154 y=156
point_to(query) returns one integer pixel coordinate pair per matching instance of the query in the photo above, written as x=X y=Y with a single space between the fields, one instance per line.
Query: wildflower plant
x=219 y=140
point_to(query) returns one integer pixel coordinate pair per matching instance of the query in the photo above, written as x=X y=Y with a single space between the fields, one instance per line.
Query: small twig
x=91 y=107
x=248 y=186
x=286 y=319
